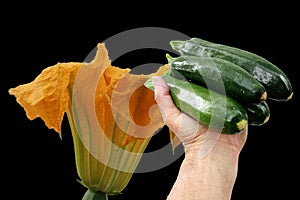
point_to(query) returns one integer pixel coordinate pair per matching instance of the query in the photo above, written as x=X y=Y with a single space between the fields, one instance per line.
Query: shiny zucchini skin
x=276 y=83
x=219 y=75
x=217 y=111
x=258 y=113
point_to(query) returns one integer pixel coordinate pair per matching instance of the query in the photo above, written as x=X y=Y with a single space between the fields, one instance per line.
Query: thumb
x=181 y=124
x=164 y=100
x=170 y=113
x=162 y=94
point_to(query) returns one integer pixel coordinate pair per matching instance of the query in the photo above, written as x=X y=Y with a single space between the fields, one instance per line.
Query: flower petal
x=48 y=95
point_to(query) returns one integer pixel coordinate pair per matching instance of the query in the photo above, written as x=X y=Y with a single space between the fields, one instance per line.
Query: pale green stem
x=94 y=195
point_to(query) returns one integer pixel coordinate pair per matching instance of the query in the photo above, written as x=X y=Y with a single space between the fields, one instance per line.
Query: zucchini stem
x=169 y=58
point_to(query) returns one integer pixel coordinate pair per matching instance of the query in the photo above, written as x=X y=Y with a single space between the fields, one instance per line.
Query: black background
x=36 y=164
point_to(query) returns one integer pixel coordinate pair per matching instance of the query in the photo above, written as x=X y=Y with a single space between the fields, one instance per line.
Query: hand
x=209 y=168
x=190 y=132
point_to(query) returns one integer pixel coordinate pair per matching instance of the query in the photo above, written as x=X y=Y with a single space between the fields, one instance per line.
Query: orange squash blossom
x=126 y=112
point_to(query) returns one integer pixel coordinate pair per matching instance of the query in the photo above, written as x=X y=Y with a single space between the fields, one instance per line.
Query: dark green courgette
x=276 y=82
x=219 y=75
x=218 y=112
x=258 y=113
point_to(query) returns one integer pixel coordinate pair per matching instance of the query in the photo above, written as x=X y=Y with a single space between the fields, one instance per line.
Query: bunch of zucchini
x=223 y=87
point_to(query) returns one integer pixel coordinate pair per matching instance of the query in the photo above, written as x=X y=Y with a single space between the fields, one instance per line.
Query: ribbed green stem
x=94 y=195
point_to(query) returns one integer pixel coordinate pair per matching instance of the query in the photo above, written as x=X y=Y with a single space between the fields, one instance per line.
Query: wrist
x=206 y=142
x=220 y=160
x=208 y=177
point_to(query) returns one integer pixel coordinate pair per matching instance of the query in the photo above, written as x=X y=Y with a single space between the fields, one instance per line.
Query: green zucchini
x=211 y=109
x=276 y=83
x=258 y=113
x=219 y=75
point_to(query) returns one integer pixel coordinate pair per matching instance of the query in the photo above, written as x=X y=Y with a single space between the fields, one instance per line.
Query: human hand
x=209 y=168
x=193 y=135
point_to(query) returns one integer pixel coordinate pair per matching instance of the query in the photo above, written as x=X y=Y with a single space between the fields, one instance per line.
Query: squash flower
x=111 y=114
